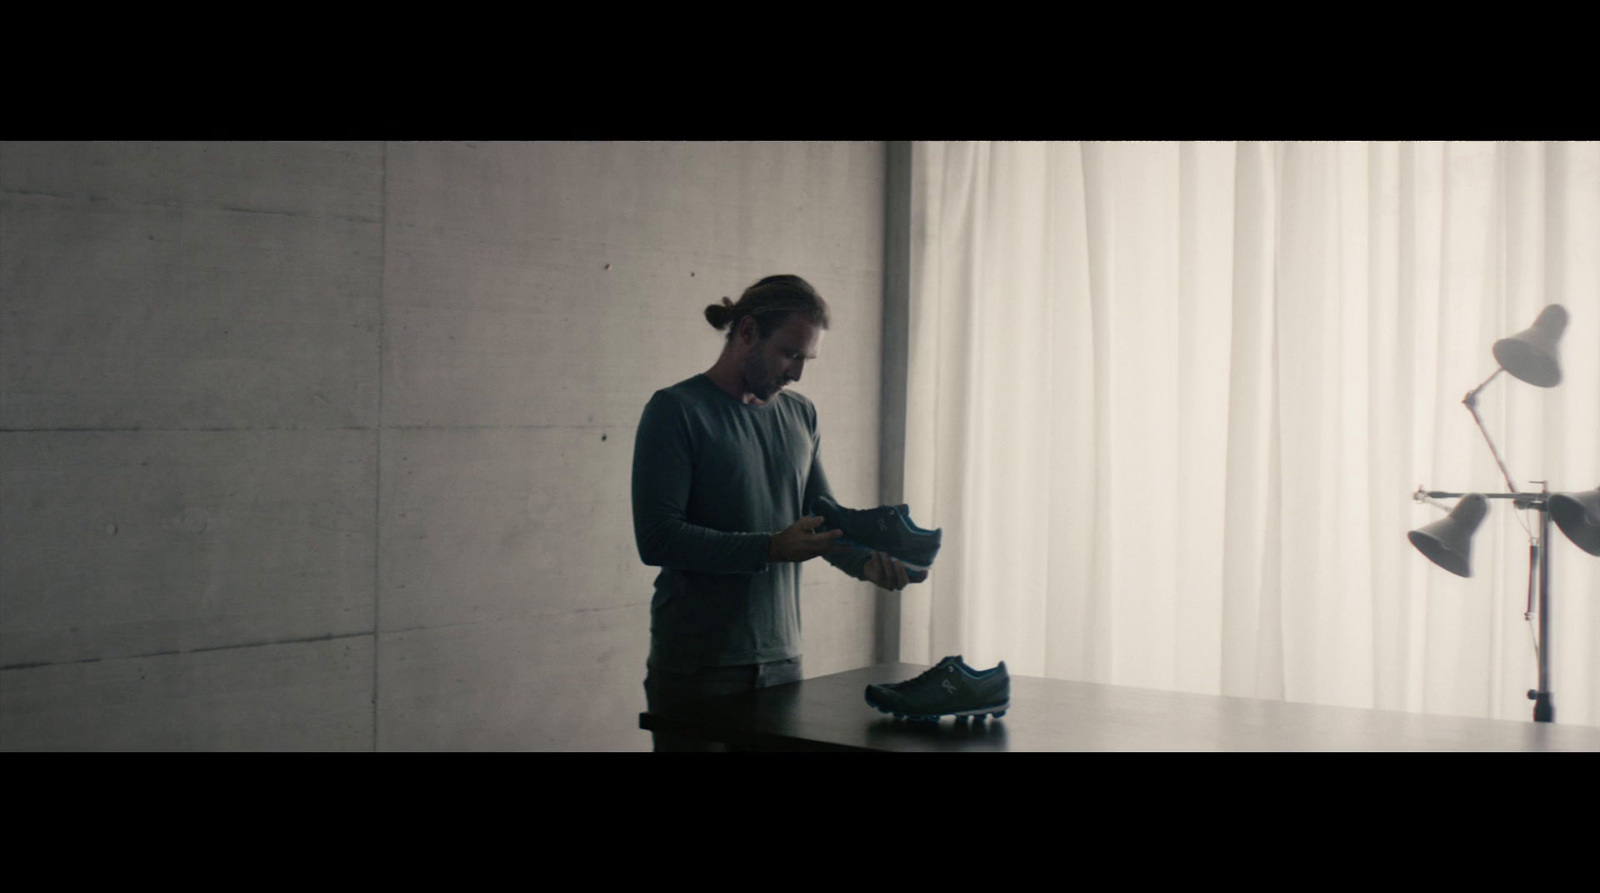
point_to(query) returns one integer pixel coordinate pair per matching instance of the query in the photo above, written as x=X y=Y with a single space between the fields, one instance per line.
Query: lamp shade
x=1531 y=354
x=1448 y=541
x=1578 y=516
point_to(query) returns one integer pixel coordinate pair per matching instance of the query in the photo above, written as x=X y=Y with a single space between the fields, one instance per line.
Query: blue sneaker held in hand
x=887 y=529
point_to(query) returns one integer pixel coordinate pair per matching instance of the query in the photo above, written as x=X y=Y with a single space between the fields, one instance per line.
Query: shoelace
x=941 y=668
x=855 y=517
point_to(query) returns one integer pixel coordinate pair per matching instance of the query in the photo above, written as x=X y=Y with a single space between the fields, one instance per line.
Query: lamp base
x=1544 y=708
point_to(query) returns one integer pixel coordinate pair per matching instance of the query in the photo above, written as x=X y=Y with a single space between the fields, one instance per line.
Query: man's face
x=772 y=364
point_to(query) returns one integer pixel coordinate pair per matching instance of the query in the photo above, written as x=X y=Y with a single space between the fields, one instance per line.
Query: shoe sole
x=997 y=711
x=915 y=572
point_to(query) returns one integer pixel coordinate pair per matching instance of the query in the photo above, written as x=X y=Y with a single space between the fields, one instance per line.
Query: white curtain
x=1170 y=402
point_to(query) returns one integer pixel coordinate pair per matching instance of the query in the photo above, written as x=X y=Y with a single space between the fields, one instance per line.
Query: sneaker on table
x=948 y=688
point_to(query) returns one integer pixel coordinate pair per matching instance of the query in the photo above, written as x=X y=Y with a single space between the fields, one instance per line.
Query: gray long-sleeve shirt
x=713 y=480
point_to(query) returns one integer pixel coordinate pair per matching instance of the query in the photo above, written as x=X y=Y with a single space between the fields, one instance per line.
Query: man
x=724 y=466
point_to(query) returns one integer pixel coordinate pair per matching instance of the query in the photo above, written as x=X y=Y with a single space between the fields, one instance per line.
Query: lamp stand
x=1544 y=707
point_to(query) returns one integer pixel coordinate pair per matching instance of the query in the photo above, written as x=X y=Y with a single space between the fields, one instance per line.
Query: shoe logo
x=947 y=686
x=883 y=526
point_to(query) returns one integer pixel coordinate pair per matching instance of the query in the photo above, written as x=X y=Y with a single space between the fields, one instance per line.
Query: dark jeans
x=663 y=690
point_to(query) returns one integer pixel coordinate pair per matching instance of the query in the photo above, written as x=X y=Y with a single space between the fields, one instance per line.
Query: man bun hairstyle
x=720 y=315
x=770 y=301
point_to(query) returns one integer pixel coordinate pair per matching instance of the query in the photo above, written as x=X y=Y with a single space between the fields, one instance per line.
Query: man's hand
x=888 y=573
x=798 y=543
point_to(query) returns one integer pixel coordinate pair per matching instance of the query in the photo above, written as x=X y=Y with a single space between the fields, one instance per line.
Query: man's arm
x=663 y=468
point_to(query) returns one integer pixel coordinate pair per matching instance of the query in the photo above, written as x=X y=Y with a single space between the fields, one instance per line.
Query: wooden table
x=829 y=714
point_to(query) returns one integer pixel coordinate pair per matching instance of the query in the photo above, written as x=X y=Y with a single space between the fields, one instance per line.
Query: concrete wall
x=310 y=446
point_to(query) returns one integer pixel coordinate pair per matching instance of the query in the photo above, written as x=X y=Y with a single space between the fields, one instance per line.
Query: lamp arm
x=1521 y=500
x=1471 y=402
x=1429 y=498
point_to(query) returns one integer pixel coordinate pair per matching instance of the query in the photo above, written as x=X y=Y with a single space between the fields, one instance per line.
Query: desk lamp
x=1530 y=356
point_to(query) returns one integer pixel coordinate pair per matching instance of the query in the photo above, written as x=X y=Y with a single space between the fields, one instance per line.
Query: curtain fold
x=1170 y=401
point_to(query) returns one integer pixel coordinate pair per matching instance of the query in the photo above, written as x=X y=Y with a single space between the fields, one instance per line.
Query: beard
x=757 y=382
